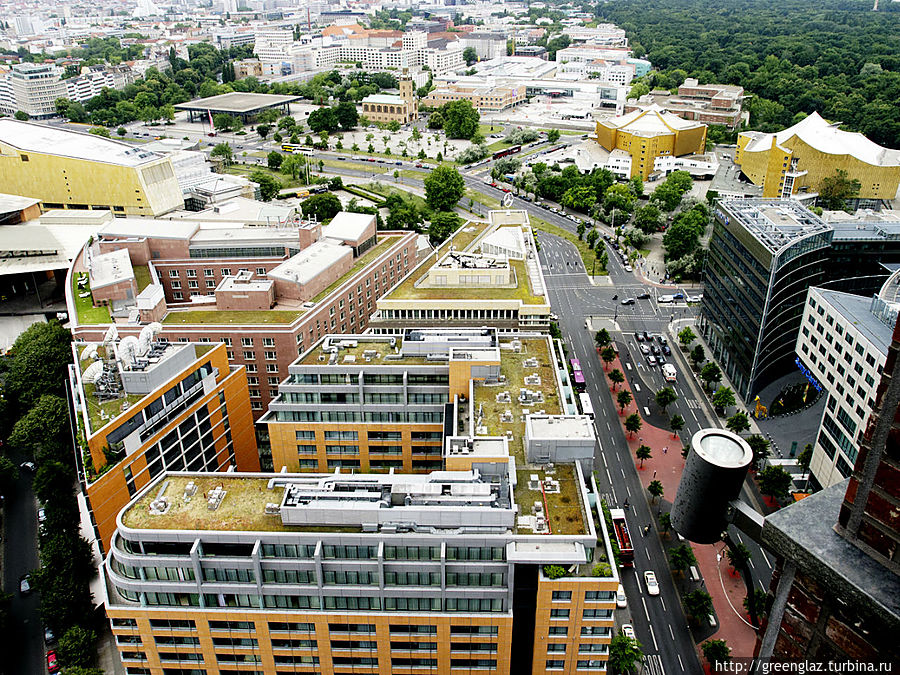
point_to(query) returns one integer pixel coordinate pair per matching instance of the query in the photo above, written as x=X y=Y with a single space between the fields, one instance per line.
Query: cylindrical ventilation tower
x=712 y=477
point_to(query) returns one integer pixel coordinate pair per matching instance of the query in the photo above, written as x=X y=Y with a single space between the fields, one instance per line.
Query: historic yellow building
x=797 y=159
x=641 y=137
x=74 y=170
x=386 y=108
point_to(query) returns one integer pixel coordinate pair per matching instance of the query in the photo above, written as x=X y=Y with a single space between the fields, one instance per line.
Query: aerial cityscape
x=388 y=337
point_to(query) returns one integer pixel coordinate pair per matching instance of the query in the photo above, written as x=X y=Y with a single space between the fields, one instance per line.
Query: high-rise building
x=495 y=561
x=32 y=88
x=76 y=170
x=764 y=255
x=146 y=406
x=485 y=274
x=837 y=583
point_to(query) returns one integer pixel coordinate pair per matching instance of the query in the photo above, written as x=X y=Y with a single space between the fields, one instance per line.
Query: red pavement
x=720 y=583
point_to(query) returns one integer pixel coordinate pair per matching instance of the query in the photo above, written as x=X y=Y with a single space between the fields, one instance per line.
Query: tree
x=775 y=482
x=292 y=165
x=716 y=652
x=121 y=131
x=680 y=240
x=346 y=115
x=835 y=190
x=402 y=214
x=21 y=116
x=393 y=126
x=224 y=151
x=666 y=397
x=643 y=452
x=648 y=218
x=263 y=130
x=444 y=187
x=682 y=557
x=710 y=374
x=268 y=186
x=738 y=423
x=470 y=56
x=665 y=522
x=805 y=457
x=100 y=131
x=460 y=119
x=592 y=238
x=553 y=135
x=724 y=398
x=624 y=653
x=738 y=555
x=698 y=604
x=436 y=120
x=608 y=355
x=756 y=605
x=39 y=363
x=686 y=336
x=442 y=225
x=322 y=119
x=274 y=159
x=760 y=448
x=656 y=489
x=676 y=424
x=602 y=338
x=323 y=207
x=617 y=377
x=579 y=230
x=686 y=450
x=698 y=356
x=44 y=429
x=336 y=183
x=624 y=398
x=581 y=198
x=77 y=647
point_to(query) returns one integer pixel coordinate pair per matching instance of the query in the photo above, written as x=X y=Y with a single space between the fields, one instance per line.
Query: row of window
x=310 y=435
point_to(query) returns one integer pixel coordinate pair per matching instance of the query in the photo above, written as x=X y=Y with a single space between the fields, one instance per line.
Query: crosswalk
x=653 y=665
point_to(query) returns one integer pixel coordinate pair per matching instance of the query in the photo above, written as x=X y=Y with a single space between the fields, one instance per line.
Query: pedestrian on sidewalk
x=665 y=449
x=654 y=474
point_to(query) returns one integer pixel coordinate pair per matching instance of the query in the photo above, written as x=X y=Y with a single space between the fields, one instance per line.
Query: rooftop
x=243 y=282
x=650 y=121
x=384 y=98
x=311 y=262
x=110 y=268
x=10 y=203
x=856 y=311
x=39 y=138
x=348 y=226
x=236 y=102
x=775 y=223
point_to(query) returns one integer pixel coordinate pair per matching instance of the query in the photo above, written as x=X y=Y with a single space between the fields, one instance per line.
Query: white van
x=621 y=600
x=669 y=372
x=663 y=299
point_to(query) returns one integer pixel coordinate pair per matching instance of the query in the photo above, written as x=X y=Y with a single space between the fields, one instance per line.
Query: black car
x=647 y=336
x=643 y=296
x=666 y=350
x=638 y=337
x=656 y=350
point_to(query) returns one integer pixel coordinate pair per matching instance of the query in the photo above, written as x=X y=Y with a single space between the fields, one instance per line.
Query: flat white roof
x=311 y=262
x=227 y=233
x=149 y=227
x=94 y=217
x=111 y=268
x=31 y=137
x=241 y=209
x=561 y=426
x=9 y=203
x=244 y=282
x=40 y=248
x=384 y=98
x=348 y=226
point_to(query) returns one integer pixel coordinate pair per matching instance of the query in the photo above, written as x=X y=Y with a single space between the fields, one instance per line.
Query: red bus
x=623 y=537
x=505 y=153
x=578 y=381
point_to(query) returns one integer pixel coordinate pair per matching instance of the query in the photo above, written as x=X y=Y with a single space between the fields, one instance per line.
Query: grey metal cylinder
x=712 y=477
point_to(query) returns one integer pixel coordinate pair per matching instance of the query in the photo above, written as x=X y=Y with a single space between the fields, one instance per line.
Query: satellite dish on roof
x=93 y=372
x=507 y=200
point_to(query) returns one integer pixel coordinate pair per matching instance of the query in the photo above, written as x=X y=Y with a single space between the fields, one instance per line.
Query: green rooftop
x=367 y=257
x=220 y=317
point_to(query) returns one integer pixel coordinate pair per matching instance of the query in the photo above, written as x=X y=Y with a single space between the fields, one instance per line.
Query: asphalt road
x=25 y=635
x=659 y=621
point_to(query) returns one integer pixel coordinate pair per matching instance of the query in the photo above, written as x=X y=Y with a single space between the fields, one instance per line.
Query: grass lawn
x=644 y=252
x=87 y=313
x=199 y=316
x=371 y=254
x=101 y=414
x=142 y=276
x=386 y=190
x=357 y=166
x=243 y=170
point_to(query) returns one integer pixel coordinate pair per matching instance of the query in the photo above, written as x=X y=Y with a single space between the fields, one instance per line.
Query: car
x=651 y=360
x=638 y=337
x=27 y=466
x=660 y=359
x=342 y=159
x=661 y=339
x=656 y=350
x=678 y=296
x=493 y=184
x=399 y=163
x=25 y=584
x=695 y=298
x=651 y=583
x=49 y=636
x=621 y=600
x=629 y=268
x=644 y=349
x=628 y=631
x=643 y=296
x=42 y=515
x=628 y=301
x=52 y=662
x=667 y=350
x=418 y=165
x=647 y=336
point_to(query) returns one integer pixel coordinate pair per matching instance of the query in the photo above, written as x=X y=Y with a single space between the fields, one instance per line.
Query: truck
x=669 y=372
x=623 y=537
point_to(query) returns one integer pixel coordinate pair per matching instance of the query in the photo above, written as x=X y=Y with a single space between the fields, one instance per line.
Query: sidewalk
x=666 y=465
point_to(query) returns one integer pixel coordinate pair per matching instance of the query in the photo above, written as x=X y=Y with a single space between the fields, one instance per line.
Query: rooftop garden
x=521 y=291
x=564 y=508
x=84 y=306
x=102 y=413
x=218 y=317
x=142 y=276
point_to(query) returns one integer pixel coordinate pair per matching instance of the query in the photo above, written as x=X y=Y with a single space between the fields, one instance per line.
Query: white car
x=628 y=631
x=629 y=268
x=621 y=600
x=695 y=298
x=652 y=584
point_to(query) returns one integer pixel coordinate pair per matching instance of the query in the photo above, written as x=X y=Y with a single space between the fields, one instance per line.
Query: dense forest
x=794 y=56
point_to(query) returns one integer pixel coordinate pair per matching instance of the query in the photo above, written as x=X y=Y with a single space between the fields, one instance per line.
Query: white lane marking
x=766 y=558
x=762 y=585
x=653 y=635
x=663 y=603
x=671 y=632
x=623 y=472
x=750 y=562
x=679 y=661
x=644 y=603
x=608 y=476
x=647 y=551
x=637 y=387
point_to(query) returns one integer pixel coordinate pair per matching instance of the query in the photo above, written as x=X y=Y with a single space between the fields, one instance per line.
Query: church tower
x=408 y=94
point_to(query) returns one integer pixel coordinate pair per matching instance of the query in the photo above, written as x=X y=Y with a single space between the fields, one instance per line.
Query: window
x=268 y=342
x=193 y=284
x=210 y=283
x=562 y=596
x=559 y=614
x=555 y=664
x=247 y=341
x=177 y=295
x=249 y=356
x=191 y=274
x=556 y=647
x=260 y=271
x=270 y=355
x=173 y=274
x=226 y=271
x=176 y=285
x=208 y=272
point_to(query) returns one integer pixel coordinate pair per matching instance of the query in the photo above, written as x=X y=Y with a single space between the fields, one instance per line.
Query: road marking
x=608 y=477
x=671 y=632
x=766 y=558
x=623 y=472
x=644 y=603
x=750 y=562
x=653 y=635
x=637 y=387
x=679 y=661
x=663 y=603
x=761 y=585
x=608 y=428
x=646 y=411
x=647 y=551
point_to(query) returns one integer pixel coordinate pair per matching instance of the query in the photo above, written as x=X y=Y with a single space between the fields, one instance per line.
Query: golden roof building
x=644 y=139
x=797 y=159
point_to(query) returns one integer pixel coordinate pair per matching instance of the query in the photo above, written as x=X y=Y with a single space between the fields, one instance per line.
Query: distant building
x=763 y=256
x=707 y=103
x=796 y=161
x=386 y=108
x=486 y=45
x=144 y=407
x=645 y=140
x=76 y=170
x=33 y=89
x=532 y=51
x=487 y=99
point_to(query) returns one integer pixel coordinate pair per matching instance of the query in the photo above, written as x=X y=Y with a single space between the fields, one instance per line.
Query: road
x=659 y=621
x=25 y=635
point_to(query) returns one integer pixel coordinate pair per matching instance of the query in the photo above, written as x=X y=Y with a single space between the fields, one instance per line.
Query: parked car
x=42 y=515
x=647 y=336
x=661 y=338
x=52 y=662
x=621 y=600
x=49 y=636
x=629 y=268
x=643 y=296
x=651 y=360
x=628 y=631
x=645 y=349
x=25 y=584
x=27 y=466
x=628 y=301
x=638 y=337
x=678 y=296
x=652 y=584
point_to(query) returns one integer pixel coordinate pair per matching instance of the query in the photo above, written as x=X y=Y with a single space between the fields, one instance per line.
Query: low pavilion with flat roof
x=239 y=104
